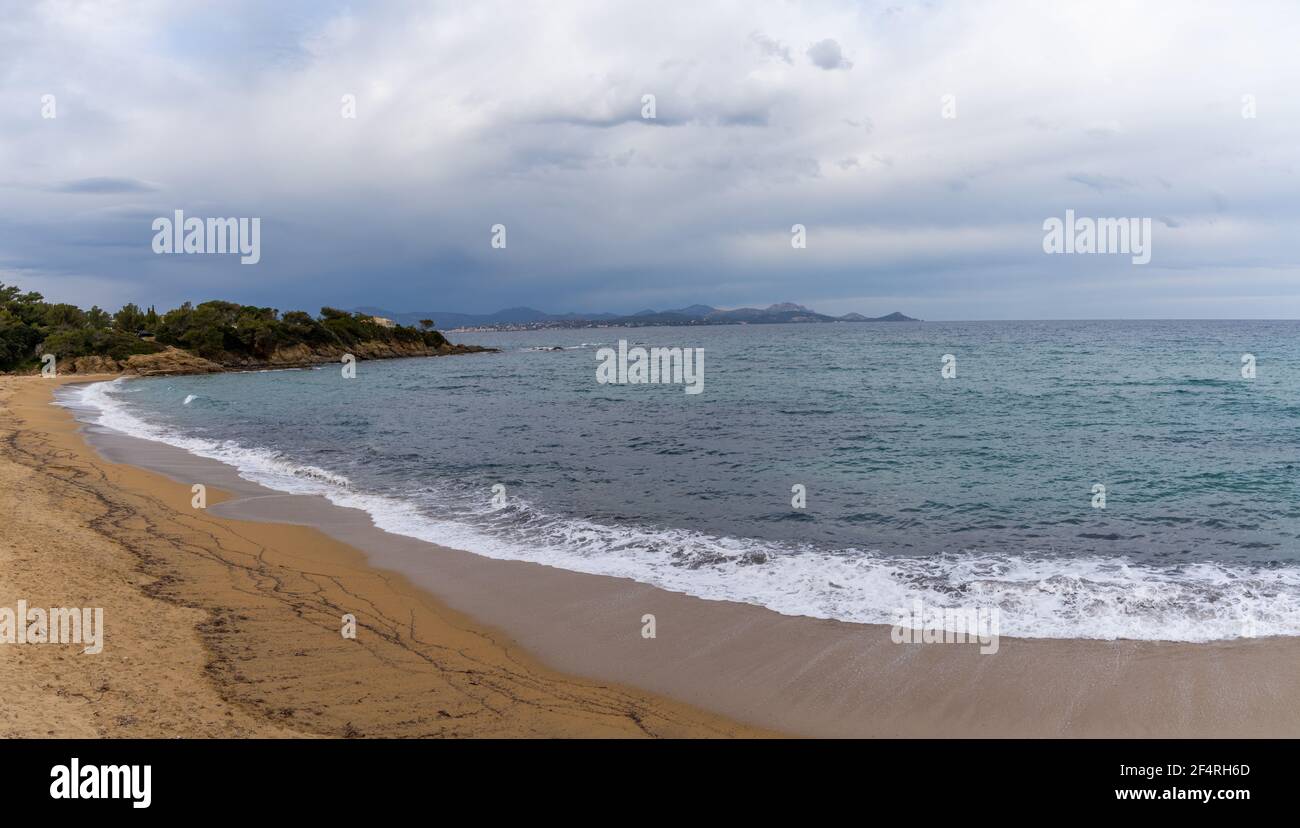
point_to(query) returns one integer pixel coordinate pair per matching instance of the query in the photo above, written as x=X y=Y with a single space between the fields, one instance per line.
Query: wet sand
x=743 y=663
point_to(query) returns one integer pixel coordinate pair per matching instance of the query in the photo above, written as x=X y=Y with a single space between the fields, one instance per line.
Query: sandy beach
x=225 y=622
x=223 y=628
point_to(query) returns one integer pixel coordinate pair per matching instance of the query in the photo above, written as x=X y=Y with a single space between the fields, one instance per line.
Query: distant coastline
x=531 y=319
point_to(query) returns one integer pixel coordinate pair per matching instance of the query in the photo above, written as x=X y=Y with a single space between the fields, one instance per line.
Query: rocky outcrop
x=176 y=361
x=169 y=362
x=92 y=365
x=303 y=355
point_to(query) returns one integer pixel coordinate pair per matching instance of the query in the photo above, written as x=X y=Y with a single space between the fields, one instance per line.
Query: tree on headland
x=131 y=319
x=20 y=317
x=30 y=327
x=216 y=330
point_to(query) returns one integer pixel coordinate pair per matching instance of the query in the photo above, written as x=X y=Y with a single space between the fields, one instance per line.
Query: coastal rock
x=302 y=356
x=94 y=365
x=169 y=362
x=176 y=361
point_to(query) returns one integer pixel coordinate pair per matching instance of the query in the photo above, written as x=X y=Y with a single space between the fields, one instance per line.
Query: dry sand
x=269 y=575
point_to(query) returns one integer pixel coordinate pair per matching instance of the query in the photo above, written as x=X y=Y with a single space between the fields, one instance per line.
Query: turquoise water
x=974 y=490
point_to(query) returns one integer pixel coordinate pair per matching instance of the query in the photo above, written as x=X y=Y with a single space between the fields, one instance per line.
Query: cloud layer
x=767 y=114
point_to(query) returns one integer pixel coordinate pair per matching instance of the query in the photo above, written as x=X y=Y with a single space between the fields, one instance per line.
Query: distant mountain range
x=513 y=319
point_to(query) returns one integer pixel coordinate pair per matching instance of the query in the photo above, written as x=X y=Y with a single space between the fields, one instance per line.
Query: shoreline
x=794 y=674
x=217 y=627
x=712 y=665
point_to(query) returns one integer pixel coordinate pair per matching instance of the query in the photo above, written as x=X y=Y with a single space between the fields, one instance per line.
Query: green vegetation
x=30 y=326
x=219 y=331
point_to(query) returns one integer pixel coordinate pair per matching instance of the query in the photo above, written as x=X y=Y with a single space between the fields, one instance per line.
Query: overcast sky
x=769 y=114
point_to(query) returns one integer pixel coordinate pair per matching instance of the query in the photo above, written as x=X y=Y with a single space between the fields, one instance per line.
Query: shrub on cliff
x=30 y=326
x=214 y=330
